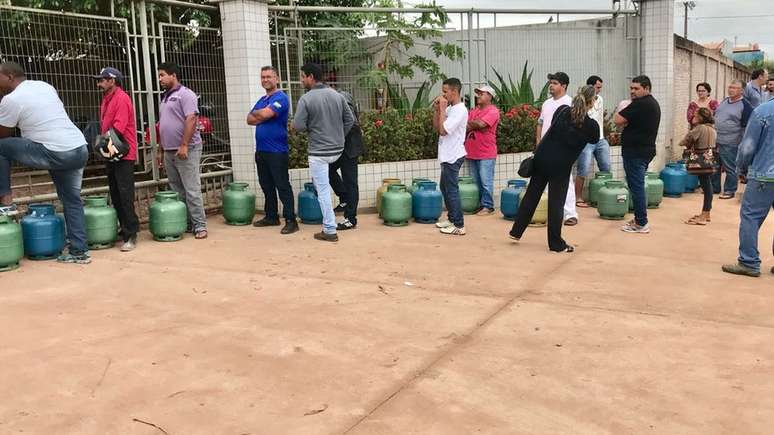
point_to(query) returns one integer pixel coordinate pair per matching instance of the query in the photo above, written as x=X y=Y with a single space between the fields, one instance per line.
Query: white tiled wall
x=370 y=175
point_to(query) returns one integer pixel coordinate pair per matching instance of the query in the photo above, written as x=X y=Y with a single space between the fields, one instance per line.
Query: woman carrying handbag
x=570 y=131
x=700 y=158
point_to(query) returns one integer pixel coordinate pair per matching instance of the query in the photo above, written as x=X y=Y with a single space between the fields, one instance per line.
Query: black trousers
x=274 y=178
x=705 y=180
x=557 y=193
x=121 y=182
x=337 y=184
x=348 y=190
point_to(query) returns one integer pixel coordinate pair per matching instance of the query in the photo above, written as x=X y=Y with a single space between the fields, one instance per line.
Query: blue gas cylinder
x=308 y=206
x=674 y=177
x=510 y=197
x=426 y=203
x=43 y=232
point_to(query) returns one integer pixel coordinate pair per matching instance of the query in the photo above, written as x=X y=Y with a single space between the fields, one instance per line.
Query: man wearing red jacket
x=116 y=112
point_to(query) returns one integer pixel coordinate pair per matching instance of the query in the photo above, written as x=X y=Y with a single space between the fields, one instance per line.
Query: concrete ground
x=397 y=331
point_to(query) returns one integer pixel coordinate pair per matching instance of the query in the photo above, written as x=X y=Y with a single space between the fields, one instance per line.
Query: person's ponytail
x=580 y=104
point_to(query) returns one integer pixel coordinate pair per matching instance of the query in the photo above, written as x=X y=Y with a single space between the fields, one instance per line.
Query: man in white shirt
x=557 y=87
x=49 y=140
x=599 y=151
x=450 y=121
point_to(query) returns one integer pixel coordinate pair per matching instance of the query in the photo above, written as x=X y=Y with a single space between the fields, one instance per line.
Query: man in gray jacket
x=324 y=114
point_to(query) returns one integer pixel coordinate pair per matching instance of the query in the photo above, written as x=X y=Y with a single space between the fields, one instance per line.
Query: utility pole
x=688 y=5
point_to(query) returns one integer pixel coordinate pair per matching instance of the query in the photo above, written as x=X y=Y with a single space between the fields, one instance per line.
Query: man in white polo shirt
x=557 y=87
x=49 y=140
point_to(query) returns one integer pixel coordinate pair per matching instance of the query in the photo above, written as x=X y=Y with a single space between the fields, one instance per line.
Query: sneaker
x=129 y=245
x=340 y=208
x=444 y=224
x=452 y=230
x=290 y=227
x=633 y=227
x=741 y=269
x=266 y=223
x=485 y=211
x=84 y=258
x=325 y=237
x=9 y=210
x=346 y=224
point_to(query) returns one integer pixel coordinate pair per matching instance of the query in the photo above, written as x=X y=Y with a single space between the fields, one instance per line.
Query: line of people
x=570 y=133
x=50 y=141
x=734 y=137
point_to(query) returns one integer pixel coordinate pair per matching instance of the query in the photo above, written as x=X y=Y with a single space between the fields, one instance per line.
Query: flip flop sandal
x=201 y=234
x=581 y=204
x=693 y=221
x=724 y=196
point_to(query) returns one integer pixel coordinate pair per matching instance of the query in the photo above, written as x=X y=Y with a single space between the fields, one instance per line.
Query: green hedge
x=390 y=136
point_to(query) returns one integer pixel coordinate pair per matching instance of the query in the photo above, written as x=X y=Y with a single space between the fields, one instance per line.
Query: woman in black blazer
x=571 y=129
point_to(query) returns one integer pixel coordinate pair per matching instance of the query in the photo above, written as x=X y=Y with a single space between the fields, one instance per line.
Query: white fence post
x=246 y=48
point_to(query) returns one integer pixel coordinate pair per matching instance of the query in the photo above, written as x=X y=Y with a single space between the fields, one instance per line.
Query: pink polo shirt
x=482 y=144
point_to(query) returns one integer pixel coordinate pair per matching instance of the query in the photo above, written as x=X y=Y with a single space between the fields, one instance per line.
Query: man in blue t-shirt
x=270 y=118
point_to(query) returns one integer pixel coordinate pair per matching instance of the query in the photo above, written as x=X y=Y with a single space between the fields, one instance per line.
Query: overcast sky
x=711 y=20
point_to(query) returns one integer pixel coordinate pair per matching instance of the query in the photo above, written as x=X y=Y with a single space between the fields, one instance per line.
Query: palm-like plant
x=401 y=102
x=511 y=94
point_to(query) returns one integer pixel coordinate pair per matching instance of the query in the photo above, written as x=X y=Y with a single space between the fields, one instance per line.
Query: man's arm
x=538 y=132
x=188 y=132
x=476 y=124
x=123 y=114
x=259 y=116
x=346 y=116
x=749 y=146
x=5 y=132
x=9 y=117
x=300 y=117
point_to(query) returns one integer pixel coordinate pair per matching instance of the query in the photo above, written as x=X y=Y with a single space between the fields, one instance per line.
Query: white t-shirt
x=35 y=108
x=548 y=109
x=452 y=146
x=597 y=113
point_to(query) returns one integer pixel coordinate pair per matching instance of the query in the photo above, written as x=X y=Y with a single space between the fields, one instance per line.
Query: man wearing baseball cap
x=117 y=113
x=481 y=146
x=557 y=87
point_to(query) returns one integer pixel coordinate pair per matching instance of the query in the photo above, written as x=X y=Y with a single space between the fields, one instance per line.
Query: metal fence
x=581 y=44
x=67 y=49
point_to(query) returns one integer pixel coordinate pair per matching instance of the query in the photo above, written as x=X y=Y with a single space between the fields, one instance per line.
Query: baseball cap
x=560 y=77
x=486 y=88
x=109 y=73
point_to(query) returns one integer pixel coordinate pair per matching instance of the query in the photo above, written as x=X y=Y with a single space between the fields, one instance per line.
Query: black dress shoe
x=326 y=237
x=266 y=223
x=290 y=227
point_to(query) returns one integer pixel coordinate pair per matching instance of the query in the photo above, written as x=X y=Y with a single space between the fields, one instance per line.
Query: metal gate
x=66 y=49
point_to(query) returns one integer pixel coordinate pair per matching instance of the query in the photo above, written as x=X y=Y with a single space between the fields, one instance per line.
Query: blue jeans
x=318 y=169
x=728 y=163
x=758 y=200
x=450 y=189
x=599 y=151
x=66 y=169
x=482 y=172
x=635 y=169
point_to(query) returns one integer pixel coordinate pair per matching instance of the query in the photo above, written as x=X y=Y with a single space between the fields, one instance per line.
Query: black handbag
x=526 y=168
x=698 y=162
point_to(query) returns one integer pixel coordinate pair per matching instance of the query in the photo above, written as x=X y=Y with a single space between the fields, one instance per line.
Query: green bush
x=390 y=136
